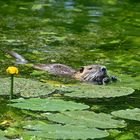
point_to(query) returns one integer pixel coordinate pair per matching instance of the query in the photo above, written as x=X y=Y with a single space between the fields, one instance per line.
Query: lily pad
x=57 y=131
x=86 y=118
x=131 y=114
x=96 y=91
x=128 y=81
x=49 y=104
x=26 y=87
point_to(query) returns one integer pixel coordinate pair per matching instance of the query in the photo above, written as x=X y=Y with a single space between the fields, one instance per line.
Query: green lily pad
x=128 y=81
x=131 y=114
x=26 y=87
x=48 y=104
x=96 y=91
x=57 y=131
x=86 y=118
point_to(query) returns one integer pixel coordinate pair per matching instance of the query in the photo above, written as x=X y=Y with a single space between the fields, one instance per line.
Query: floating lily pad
x=26 y=87
x=48 y=104
x=57 y=131
x=96 y=91
x=128 y=81
x=86 y=118
x=131 y=114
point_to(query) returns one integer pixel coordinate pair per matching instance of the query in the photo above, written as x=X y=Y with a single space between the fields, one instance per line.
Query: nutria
x=96 y=74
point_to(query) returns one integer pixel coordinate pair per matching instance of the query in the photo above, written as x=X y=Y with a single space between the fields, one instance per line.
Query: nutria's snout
x=103 y=69
x=92 y=73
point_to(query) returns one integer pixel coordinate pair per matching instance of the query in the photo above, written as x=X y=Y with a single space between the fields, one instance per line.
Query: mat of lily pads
x=32 y=88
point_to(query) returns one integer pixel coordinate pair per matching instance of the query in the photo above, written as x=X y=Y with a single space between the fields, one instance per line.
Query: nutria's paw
x=113 y=78
x=106 y=80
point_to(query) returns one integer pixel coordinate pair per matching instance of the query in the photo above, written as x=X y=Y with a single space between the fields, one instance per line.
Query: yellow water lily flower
x=12 y=70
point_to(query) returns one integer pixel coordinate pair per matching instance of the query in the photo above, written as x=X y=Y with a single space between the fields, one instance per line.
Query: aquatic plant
x=30 y=88
x=12 y=71
x=130 y=114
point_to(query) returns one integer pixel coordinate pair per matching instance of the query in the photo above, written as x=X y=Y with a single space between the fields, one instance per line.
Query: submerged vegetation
x=75 y=33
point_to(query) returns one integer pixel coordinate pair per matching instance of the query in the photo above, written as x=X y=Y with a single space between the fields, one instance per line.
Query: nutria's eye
x=81 y=69
x=89 y=68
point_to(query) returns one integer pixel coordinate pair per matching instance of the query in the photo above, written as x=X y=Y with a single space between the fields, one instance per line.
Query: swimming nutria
x=96 y=74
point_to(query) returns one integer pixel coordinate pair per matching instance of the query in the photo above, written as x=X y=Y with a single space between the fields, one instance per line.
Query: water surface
x=75 y=33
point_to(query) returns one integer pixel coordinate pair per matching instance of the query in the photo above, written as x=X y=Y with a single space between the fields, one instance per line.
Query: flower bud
x=12 y=70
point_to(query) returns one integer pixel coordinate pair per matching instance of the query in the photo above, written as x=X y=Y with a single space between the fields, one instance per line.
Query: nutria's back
x=56 y=69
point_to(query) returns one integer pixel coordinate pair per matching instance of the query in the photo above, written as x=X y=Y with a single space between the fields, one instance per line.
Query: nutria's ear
x=81 y=69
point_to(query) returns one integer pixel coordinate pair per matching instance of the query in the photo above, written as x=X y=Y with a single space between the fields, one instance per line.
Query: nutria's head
x=92 y=73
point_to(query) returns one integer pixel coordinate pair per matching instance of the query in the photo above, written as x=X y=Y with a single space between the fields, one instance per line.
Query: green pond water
x=75 y=33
